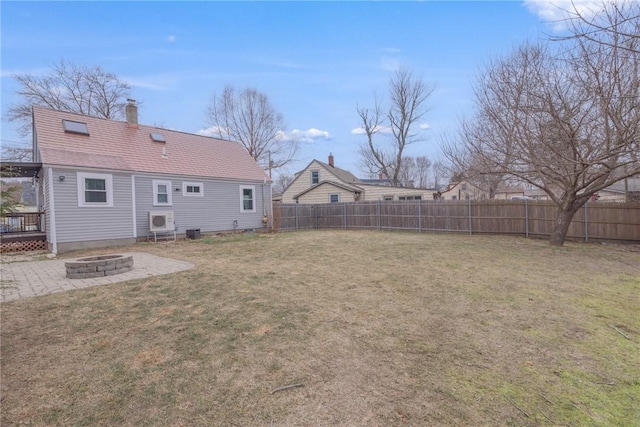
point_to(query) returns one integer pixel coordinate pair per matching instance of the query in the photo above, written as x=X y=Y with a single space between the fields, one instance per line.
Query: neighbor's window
x=95 y=189
x=161 y=193
x=247 y=196
x=315 y=177
x=334 y=198
x=192 y=189
x=387 y=198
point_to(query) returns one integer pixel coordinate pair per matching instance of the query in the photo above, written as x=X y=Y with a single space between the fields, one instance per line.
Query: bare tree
x=68 y=87
x=13 y=153
x=247 y=117
x=567 y=121
x=408 y=96
x=615 y=18
x=414 y=172
x=423 y=165
x=281 y=183
x=439 y=172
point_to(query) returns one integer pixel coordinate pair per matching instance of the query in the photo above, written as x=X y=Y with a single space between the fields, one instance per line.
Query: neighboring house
x=627 y=190
x=464 y=190
x=321 y=182
x=100 y=180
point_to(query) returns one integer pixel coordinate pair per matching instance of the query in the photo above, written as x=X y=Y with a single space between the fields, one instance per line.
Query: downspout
x=133 y=206
x=52 y=212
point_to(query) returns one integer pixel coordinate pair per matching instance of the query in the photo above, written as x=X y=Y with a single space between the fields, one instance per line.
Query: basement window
x=75 y=127
x=157 y=137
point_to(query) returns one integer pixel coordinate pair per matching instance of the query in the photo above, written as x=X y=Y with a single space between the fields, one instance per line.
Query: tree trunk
x=560 y=228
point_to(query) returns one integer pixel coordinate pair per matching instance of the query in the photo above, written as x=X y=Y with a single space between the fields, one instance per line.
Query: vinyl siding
x=77 y=224
x=214 y=211
x=321 y=195
x=377 y=192
x=303 y=181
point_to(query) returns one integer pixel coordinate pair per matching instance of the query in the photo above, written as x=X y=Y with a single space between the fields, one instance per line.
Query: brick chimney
x=331 y=160
x=132 y=113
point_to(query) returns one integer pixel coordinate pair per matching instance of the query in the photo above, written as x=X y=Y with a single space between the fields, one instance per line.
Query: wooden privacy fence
x=594 y=221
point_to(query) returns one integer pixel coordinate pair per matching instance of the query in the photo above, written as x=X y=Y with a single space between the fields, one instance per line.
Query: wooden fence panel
x=596 y=220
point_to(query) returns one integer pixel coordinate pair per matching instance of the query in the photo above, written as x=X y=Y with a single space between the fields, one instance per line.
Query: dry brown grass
x=381 y=328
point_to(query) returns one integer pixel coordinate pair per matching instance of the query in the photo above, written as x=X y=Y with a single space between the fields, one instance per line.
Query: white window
x=161 y=193
x=192 y=189
x=247 y=198
x=315 y=177
x=334 y=198
x=95 y=189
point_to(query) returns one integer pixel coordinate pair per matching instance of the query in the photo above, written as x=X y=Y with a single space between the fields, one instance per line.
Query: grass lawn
x=373 y=329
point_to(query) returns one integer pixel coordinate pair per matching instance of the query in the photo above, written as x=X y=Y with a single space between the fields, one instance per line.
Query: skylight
x=75 y=127
x=157 y=137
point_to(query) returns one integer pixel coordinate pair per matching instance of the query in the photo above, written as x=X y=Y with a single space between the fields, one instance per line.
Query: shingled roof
x=117 y=145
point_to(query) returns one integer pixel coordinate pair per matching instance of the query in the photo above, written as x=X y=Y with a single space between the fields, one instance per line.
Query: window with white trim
x=95 y=189
x=315 y=177
x=161 y=193
x=334 y=198
x=192 y=189
x=247 y=198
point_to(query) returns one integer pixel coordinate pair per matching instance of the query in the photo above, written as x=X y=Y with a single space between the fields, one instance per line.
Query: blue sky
x=315 y=60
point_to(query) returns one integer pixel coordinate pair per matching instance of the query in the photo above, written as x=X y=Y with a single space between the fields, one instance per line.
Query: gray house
x=105 y=182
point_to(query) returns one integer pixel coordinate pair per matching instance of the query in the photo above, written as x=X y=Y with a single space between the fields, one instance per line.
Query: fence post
x=378 y=214
x=586 y=223
x=470 y=222
x=296 y=212
x=526 y=218
x=419 y=216
x=344 y=215
x=315 y=209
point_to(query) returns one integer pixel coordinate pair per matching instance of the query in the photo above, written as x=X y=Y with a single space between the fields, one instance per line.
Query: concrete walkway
x=33 y=278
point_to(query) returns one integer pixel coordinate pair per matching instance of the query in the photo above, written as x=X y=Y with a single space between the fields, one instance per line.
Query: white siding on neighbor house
x=215 y=210
x=378 y=192
x=76 y=224
x=303 y=181
x=322 y=192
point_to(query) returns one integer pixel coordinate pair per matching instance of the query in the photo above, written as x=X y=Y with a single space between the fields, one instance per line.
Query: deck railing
x=22 y=222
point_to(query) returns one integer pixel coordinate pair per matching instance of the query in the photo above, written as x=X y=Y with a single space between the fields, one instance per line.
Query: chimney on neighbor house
x=331 y=160
x=132 y=113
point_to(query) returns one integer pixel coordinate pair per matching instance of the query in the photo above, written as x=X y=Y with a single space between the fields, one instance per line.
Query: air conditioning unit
x=161 y=221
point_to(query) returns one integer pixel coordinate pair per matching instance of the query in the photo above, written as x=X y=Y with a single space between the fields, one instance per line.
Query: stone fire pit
x=98 y=266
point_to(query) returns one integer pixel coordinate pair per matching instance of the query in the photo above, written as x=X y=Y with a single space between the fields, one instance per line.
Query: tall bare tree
x=414 y=171
x=69 y=87
x=248 y=118
x=615 y=18
x=281 y=183
x=566 y=121
x=408 y=96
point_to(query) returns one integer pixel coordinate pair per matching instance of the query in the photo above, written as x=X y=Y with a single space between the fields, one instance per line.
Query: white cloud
x=213 y=131
x=171 y=38
x=555 y=12
x=309 y=135
x=379 y=129
x=425 y=126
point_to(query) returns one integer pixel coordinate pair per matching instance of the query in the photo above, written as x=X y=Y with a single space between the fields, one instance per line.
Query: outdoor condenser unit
x=161 y=221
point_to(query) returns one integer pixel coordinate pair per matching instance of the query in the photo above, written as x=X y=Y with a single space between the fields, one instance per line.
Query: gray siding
x=75 y=224
x=215 y=211
x=46 y=201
